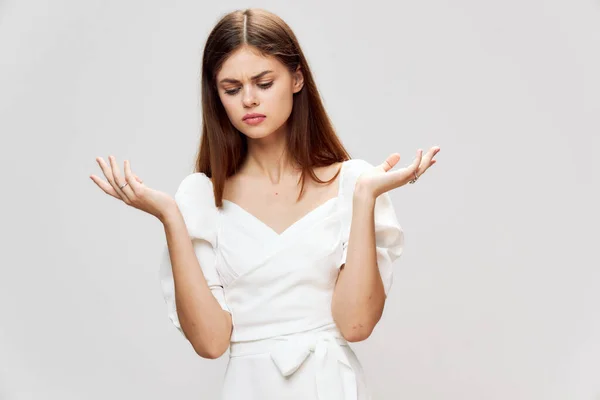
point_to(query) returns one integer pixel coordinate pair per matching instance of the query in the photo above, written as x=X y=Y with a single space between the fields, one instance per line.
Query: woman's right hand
x=135 y=193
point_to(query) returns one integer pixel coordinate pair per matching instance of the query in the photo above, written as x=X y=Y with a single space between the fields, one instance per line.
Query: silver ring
x=414 y=179
x=125 y=184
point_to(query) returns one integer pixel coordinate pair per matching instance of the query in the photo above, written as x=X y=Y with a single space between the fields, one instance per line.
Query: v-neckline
x=299 y=220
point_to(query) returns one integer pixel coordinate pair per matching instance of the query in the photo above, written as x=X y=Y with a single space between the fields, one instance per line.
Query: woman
x=281 y=270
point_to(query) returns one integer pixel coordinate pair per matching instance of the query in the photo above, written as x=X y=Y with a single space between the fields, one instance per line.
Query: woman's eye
x=263 y=86
x=232 y=91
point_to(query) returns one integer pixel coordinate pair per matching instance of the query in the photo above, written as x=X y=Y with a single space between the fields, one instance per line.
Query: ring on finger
x=415 y=178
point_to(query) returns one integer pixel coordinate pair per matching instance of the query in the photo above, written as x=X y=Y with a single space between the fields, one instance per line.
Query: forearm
x=359 y=295
x=206 y=325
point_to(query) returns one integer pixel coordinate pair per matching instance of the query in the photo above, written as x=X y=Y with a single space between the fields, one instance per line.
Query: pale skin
x=267 y=187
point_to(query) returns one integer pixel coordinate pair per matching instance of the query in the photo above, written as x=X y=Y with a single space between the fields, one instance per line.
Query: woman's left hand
x=380 y=179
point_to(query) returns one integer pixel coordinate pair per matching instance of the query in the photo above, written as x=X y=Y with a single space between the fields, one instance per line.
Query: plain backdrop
x=497 y=295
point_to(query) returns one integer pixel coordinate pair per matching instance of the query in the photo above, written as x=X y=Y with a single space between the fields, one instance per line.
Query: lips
x=254 y=120
x=253 y=115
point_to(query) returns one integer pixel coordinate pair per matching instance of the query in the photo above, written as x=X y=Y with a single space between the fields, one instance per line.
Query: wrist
x=363 y=194
x=170 y=214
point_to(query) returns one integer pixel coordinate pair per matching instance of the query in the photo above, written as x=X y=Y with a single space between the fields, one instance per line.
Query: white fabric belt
x=335 y=377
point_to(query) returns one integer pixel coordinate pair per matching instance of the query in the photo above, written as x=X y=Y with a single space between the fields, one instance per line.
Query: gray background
x=497 y=294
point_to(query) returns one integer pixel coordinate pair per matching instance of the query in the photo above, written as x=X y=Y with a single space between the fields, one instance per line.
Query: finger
x=107 y=171
x=105 y=186
x=131 y=179
x=417 y=161
x=390 y=162
x=428 y=160
x=125 y=191
x=403 y=175
x=431 y=153
x=415 y=168
x=435 y=150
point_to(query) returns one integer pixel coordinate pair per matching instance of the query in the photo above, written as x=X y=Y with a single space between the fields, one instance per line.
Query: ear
x=298 y=80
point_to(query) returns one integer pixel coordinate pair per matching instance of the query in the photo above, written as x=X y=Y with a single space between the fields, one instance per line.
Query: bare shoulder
x=328 y=171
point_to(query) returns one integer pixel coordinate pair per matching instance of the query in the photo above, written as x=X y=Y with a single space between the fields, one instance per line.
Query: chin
x=257 y=135
x=257 y=132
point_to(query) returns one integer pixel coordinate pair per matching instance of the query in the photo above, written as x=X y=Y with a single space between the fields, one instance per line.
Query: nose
x=249 y=98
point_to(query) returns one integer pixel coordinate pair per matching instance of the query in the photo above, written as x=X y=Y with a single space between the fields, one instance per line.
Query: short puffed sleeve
x=195 y=200
x=389 y=235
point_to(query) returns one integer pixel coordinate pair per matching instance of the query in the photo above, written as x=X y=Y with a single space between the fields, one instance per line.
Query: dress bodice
x=277 y=284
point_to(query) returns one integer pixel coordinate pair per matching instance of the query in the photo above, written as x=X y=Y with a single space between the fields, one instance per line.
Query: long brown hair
x=312 y=140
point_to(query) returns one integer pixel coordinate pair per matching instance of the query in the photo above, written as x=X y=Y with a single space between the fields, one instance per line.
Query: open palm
x=381 y=178
x=131 y=190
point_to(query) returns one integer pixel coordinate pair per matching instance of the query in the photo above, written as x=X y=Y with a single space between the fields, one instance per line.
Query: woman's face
x=251 y=83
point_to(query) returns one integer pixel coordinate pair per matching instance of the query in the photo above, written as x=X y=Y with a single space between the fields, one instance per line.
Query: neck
x=269 y=157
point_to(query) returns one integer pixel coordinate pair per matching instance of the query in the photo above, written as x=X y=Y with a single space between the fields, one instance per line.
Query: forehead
x=246 y=62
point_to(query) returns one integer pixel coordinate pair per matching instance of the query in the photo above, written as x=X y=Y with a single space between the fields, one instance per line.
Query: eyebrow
x=230 y=80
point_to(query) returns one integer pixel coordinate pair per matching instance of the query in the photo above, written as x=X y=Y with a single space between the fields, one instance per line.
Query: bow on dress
x=335 y=377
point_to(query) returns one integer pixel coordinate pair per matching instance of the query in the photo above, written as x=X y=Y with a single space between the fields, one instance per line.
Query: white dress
x=278 y=289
